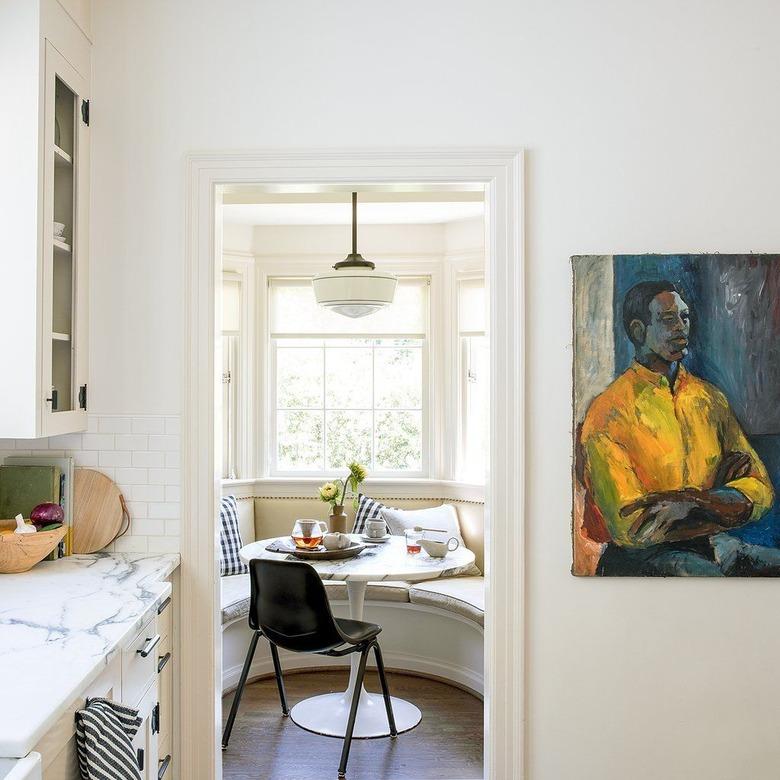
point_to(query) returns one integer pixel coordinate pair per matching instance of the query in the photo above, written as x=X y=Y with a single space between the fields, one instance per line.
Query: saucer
x=374 y=539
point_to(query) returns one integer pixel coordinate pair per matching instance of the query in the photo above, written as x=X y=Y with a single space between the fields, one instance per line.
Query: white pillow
x=441 y=518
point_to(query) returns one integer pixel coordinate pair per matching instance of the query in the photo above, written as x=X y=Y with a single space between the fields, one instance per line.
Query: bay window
x=344 y=389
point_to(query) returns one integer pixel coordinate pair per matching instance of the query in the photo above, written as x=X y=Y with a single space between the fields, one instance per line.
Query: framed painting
x=676 y=415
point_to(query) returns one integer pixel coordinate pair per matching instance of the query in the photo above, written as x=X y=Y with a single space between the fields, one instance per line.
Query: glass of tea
x=413 y=545
x=307 y=534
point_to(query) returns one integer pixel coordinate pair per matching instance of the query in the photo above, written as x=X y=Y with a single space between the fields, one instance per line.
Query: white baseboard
x=404 y=662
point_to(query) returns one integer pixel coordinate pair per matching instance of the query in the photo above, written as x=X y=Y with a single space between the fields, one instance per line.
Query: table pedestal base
x=328 y=715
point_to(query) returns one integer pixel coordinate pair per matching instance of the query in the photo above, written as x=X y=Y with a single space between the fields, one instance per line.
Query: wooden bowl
x=20 y=552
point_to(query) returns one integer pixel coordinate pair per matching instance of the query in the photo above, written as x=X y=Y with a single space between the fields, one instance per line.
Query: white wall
x=649 y=126
x=333 y=242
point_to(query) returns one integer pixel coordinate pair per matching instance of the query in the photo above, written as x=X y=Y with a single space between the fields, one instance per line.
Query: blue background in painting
x=687 y=273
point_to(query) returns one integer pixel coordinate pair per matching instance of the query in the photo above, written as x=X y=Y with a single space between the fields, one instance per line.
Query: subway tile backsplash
x=141 y=454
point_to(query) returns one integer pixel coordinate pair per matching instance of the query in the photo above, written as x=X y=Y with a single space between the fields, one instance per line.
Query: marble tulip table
x=328 y=714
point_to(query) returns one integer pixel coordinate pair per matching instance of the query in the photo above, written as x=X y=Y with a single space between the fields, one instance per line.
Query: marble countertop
x=60 y=624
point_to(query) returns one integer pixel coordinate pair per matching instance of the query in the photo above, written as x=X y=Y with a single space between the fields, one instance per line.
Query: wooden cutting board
x=98 y=511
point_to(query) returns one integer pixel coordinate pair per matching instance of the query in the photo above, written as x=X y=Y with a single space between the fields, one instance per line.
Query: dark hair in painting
x=636 y=304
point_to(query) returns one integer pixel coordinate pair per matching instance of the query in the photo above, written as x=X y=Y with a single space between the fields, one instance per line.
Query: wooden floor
x=447 y=745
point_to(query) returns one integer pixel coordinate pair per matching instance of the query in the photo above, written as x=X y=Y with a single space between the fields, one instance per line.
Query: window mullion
x=373 y=404
x=324 y=407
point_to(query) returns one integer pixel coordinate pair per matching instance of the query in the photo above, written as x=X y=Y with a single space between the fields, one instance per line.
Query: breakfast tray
x=317 y=553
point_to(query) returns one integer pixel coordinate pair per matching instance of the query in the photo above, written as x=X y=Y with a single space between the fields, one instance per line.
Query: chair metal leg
x=240 y=690
x=380 y=667
x=279 y=679
x=353 y=711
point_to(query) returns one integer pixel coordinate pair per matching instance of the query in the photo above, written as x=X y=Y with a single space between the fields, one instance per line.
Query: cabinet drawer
x=164 y=619
x=139 y=662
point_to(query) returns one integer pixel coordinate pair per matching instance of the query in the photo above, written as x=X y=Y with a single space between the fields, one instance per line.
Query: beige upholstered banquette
x=433 y=628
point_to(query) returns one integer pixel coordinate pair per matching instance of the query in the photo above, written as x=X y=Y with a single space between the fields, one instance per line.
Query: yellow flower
x=357 y=472
x=328 y=491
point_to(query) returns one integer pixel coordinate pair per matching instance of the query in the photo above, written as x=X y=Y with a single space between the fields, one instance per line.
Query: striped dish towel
x=104 y=734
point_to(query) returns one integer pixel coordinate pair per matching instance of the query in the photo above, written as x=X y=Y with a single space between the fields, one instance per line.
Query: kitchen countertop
x=60 y=625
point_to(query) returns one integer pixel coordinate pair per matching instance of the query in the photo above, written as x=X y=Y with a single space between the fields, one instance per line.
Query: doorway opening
x=301 y=437
x=400 y=398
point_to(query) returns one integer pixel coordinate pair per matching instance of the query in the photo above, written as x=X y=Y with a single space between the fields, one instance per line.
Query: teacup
x=376 y=529
x=438 y=549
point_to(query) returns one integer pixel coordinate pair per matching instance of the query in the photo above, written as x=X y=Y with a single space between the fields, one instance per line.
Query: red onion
x=46 y=514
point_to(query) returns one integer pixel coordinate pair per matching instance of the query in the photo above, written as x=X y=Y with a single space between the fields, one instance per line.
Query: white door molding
x=501 y=171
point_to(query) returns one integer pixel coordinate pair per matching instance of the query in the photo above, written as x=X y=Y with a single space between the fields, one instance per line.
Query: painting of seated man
x=676 y=428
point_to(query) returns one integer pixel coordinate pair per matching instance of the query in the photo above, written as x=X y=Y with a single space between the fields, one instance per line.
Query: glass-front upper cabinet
x=45 y=59
x=65 y=243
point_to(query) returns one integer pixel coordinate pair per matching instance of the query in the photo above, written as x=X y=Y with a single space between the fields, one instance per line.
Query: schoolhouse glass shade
x=353 y=288
x=354 y=292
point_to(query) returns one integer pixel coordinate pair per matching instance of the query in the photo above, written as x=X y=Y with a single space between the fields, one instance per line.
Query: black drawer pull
x=163 y=660
x=151 y=643
x=162 y=606
x=163 y=766
x=139 y=757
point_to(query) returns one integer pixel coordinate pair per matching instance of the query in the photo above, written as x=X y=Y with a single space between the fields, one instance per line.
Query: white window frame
x=460 y=373
x=464 y=265
x=240 y=268
x=268 y=358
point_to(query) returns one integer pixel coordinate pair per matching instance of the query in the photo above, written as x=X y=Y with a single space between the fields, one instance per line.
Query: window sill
x=387 y=487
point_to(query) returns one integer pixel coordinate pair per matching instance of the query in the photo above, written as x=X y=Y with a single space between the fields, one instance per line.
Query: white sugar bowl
x=335 y=541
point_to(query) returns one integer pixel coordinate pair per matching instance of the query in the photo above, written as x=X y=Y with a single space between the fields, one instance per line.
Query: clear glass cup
x=413 y=541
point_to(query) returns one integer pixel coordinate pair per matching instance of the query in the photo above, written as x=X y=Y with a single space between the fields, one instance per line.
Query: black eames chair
x=289 y=606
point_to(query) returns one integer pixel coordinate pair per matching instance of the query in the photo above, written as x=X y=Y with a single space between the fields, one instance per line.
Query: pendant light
x=353 y=288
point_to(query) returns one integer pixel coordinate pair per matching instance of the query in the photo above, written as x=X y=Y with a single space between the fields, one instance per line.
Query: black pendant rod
x=354 y=223
x=354 y=260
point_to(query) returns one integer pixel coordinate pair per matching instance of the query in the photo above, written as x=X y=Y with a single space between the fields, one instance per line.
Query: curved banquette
x=433 y=628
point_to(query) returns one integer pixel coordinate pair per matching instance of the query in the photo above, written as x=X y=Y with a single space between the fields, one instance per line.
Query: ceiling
x=378 y=204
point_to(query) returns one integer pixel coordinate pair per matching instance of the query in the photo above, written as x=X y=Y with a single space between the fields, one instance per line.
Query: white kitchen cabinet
x=44 y=313
x=27 y=768
x=139 y=675
x=165 y=665
x=58 y=746
x=145 y=742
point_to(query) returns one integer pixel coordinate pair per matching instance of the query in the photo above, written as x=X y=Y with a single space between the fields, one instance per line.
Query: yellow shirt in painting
x=641 y=437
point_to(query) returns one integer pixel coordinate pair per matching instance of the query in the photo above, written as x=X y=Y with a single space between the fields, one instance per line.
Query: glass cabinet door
x=64 y=243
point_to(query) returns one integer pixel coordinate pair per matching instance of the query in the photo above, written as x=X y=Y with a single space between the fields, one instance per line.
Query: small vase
x=337 y=522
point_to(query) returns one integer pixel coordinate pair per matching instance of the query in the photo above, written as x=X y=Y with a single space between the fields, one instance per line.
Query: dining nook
x=352 y=570
x=429 y=610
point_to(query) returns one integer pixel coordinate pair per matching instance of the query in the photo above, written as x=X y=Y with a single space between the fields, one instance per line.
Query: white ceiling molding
x=399 y=213
x=429 y=192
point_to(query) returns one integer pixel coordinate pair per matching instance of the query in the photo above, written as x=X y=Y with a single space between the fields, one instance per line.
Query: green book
x=24 y=487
